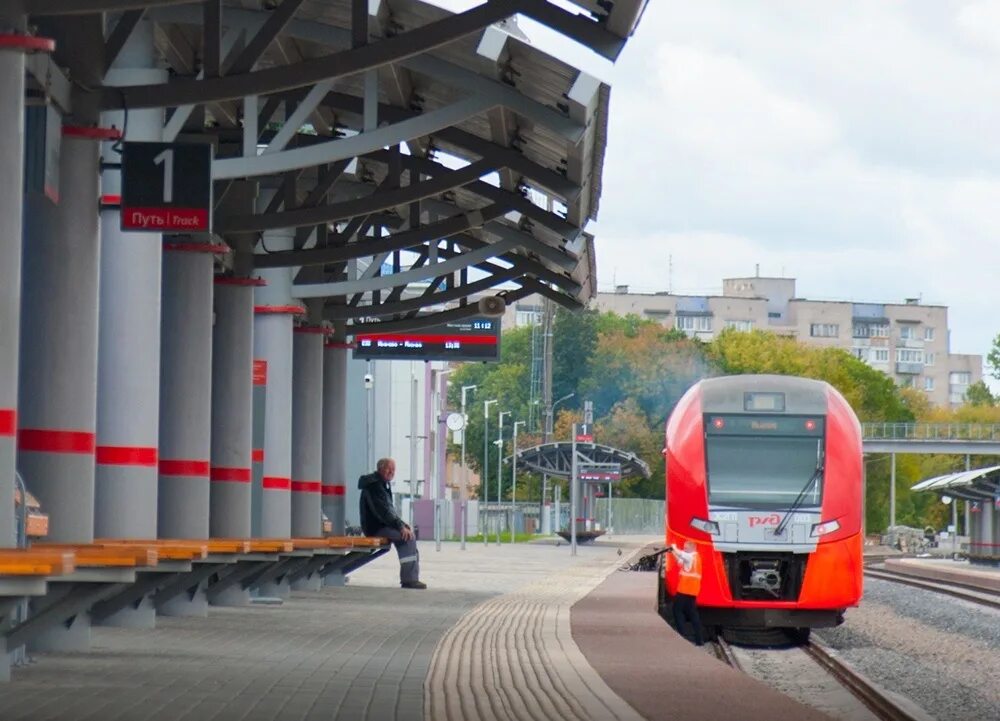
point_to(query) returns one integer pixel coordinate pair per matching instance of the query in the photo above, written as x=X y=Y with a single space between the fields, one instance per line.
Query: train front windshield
x=755 y=462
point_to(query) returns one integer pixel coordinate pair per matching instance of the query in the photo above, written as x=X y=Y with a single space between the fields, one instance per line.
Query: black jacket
x=377 y=511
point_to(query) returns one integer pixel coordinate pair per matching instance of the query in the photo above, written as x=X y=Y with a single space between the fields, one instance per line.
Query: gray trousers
x=409 y=558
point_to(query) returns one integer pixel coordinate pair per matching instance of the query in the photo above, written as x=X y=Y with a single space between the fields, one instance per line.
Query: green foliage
x=993 y=358
x=978 y=394
x=635 y=370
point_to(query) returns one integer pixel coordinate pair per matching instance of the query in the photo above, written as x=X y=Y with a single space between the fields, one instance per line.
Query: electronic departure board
x=473 y=339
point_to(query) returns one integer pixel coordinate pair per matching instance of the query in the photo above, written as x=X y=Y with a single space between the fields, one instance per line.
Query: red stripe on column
x=257 y=455
x=48 y=441
x=8 y=421
x=275 y=483
x=126 y=456
x=231 y=475
x=183 y=468
x=279 y=309
x=334 y=490
x=306 y=486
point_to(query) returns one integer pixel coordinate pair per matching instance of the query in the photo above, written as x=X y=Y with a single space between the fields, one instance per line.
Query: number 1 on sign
x=167 y=158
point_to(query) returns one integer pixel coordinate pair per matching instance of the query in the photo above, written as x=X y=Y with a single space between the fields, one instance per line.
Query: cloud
x=850 y=144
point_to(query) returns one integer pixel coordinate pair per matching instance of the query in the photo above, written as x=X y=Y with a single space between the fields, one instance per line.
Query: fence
x=931 y=431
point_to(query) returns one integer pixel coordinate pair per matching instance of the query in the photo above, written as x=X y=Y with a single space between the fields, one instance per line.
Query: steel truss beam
x=577 y=27
x=335 y=65
x=351 y=147
x=407 y=239
x=120 y=35
x=567 y=127
x=543 y=177
x=272 y=27
x=383 y=200
x=87 y=7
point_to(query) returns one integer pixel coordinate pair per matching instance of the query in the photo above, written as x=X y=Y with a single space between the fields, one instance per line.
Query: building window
x=700 y=323
x=928 y=384
x=906 y=382
x=928 y=359
x=824 y=330
x=906 y=332
x=960 y=378
x=880 y=355
x=928 y=334
x=871 y=330
x=904 y=355
x=743 y=325
x=860 y=353
x=772 y=314
x=527 y=317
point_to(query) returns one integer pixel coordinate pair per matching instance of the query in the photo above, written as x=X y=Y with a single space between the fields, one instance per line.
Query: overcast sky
x=853 y=145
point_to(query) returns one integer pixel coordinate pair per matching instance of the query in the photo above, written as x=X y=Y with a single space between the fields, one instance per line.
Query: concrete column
x=274 y=311
x=232 y=411
x=232 y=363
x=185 y=404
x=335 y=359
x=307 y=431
x=185 y=390
x=58 y=385
x=12 y=20
x=128 y=360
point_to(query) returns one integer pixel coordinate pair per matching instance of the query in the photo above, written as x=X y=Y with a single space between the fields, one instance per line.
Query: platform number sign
x=167 y=187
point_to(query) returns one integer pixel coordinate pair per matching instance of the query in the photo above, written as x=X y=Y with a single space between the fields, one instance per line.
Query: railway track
x=966 y=593
x=881 y=705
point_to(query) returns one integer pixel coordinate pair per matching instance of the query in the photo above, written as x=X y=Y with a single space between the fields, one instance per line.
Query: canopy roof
x=556 y=459
x=421 y=157
x=975 y=485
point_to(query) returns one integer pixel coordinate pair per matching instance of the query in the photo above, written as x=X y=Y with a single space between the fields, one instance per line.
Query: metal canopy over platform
x=981 y=484
x=556 y=459
x=421 y=157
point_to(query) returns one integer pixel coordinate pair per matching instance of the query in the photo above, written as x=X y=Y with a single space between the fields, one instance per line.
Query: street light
x=484 y=482
x=513 y=480
x=465 y=470
x=500 y=466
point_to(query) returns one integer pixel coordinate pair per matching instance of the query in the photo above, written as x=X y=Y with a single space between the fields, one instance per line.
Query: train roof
x=727 y=393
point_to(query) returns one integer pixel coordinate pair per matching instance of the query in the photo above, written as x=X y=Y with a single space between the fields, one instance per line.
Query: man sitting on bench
x=379 y=518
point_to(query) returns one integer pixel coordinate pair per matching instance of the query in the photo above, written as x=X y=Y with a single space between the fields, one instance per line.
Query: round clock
x=455 y=421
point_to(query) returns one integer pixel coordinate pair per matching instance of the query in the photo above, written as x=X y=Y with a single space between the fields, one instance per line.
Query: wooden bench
x=36 y=562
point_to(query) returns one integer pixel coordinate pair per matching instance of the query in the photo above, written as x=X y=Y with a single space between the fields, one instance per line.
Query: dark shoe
x=414 y=584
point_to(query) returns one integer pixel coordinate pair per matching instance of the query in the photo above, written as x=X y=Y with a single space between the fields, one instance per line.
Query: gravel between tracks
x=941 y=652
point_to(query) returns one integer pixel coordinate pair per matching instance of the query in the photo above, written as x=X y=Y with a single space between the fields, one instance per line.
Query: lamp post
x=500 y=466
x=513 y=480
x=484 y=482
x=440 y=396
x=465 y=471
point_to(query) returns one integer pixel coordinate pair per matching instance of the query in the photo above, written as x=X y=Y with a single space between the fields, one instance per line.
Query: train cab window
x=753 y=470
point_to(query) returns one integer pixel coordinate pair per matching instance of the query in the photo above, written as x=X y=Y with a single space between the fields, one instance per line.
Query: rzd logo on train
x=771 y=520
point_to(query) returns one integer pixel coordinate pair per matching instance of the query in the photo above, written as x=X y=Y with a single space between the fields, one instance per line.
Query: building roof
x=975 y=485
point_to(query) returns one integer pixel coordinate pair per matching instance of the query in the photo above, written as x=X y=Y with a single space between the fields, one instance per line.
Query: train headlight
x=709 y=527
x=821 y=529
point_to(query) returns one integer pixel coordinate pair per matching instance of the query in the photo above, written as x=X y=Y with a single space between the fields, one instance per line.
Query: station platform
x=510 y=632
x=986 y=578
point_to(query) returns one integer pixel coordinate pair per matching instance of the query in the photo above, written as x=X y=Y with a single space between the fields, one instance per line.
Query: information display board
x=604 y=473
x=471 y=339
x=167 y=187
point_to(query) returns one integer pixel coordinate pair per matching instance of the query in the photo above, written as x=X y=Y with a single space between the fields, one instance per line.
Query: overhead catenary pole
x=513 y=480
x=484 y=483
x=500 y=468
x=465 y=471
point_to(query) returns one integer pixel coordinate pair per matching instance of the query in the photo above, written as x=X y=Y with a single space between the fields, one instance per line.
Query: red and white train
x=764 y=474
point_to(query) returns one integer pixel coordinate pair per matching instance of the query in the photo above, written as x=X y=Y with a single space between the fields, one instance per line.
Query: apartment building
x=907 y=341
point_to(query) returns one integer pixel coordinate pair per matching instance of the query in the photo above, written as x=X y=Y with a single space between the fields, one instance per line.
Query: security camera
x=369 y=380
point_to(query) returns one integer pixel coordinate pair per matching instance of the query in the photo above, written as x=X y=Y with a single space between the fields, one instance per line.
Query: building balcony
x=909 y=368
x=910 y=343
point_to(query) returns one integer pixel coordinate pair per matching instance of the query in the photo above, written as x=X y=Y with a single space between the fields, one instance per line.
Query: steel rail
x=957 y=590
x=725 y=653
x=882 y=705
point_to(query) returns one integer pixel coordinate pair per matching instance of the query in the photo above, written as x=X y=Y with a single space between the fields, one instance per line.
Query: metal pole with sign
x=500 y=468
x=513 y=481
x=572 y=498
x=465 y=470
x=166 y=187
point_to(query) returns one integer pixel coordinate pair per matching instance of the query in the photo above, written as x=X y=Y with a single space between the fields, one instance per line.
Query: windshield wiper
x=799 y=499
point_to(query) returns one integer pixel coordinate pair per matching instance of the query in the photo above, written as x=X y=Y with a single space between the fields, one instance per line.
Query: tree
x=993 y=358
x=978 y=394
